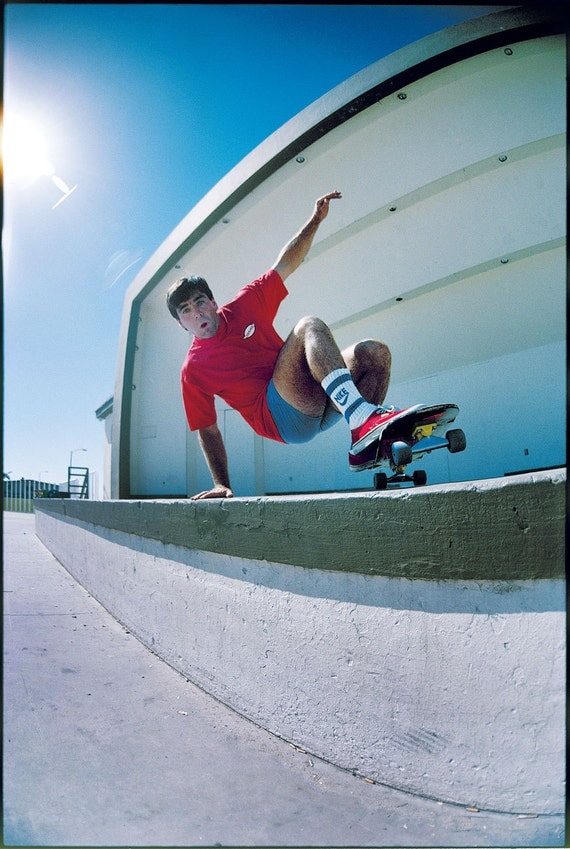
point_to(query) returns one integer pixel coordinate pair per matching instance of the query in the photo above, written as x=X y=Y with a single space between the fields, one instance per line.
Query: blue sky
x=143 y=108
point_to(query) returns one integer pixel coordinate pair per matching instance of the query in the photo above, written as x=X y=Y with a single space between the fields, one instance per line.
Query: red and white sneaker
x=367 y=459
x=365 y=434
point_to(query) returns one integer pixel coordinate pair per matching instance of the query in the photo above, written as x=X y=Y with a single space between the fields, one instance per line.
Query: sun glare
x=25 y=155
x=24 y=150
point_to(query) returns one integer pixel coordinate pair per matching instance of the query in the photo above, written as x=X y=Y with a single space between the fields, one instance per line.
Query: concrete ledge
x=429 y=670
x=495 y=529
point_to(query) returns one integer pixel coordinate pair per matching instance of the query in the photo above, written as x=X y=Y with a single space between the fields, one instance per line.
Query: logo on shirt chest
x=249 y=331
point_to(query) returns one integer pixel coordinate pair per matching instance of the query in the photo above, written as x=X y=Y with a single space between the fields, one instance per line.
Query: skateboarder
x=288 y=390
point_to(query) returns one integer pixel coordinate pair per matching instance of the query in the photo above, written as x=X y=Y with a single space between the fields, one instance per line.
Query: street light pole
x=75 y=450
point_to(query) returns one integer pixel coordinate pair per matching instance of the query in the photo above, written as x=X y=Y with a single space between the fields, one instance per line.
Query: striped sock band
x=342 y=391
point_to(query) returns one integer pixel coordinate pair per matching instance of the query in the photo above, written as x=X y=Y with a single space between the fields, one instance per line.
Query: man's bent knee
x=309 y=324
x=370 y=354
x=373 y=348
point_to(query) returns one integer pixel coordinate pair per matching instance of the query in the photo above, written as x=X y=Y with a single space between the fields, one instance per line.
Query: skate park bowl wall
x=413 y=637
x=448 y=245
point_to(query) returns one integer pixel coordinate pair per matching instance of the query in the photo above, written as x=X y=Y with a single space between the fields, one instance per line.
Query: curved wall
x=416 y=638
x=449 y=244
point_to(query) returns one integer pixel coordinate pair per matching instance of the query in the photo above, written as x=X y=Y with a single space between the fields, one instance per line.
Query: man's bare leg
x=370 y=364
x=310 y=353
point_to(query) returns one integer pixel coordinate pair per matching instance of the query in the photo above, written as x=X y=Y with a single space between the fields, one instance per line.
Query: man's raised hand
x=322 y=205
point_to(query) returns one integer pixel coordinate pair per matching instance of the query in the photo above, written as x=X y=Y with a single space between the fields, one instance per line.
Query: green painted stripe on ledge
x=504 y=529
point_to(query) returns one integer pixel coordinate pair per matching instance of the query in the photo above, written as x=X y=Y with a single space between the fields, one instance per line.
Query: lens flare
x=24 y=150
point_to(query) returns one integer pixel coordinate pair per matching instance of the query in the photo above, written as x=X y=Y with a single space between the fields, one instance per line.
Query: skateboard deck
x=405 y=440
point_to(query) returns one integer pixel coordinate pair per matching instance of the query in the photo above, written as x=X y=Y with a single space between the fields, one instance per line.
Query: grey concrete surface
x=106 y=745
x=450 y=689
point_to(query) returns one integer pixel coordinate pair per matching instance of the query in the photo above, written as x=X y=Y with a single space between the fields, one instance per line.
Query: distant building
x=18 y=495
x=449 y=245
x=28 y=488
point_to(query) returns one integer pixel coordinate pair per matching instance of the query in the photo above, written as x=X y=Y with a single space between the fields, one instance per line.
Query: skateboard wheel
x=420 y=477
x=380 y=481
x=457 y=440
x=401 y=453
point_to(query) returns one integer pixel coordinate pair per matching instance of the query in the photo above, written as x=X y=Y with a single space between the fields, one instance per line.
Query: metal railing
x=18 y=496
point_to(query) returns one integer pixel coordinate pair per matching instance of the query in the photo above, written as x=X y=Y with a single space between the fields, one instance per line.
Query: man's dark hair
x=183 y=289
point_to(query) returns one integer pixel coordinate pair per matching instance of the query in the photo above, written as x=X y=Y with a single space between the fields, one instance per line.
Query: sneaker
x=366 y=459
x=365 y=434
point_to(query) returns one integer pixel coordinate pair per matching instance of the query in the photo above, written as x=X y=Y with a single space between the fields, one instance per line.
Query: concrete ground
x=106 y=745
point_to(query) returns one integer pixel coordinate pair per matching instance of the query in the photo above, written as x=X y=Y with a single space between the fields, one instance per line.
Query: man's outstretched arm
x=212 y=445
x=295 y=251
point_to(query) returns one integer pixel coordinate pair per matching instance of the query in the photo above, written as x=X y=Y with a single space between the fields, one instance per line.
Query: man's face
x=199 y=315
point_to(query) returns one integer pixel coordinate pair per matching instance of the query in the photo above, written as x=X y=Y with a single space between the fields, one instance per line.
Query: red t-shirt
x=237 y=363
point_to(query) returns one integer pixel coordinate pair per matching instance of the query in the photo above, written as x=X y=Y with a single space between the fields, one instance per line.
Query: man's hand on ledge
x=217 y=492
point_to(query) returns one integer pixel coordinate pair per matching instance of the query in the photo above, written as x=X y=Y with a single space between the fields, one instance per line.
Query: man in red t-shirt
x=288 y=390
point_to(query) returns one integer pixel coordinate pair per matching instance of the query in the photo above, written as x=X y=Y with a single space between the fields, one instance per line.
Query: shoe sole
x=371 y=464
x=376 y=433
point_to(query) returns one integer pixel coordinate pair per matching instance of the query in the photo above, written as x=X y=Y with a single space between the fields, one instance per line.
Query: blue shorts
x=295 y=427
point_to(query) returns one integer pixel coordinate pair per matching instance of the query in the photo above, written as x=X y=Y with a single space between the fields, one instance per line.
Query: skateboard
x=407 y=439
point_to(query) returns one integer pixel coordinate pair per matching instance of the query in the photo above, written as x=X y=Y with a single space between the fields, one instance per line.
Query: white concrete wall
x=449 y=244
x=447 y=687
x=107 y=456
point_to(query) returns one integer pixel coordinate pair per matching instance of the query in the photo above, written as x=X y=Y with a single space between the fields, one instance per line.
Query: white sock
x=342 y=391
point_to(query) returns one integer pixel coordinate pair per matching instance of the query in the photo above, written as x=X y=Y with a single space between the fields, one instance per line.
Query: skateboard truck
x=382 y=481
x=402 y=454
